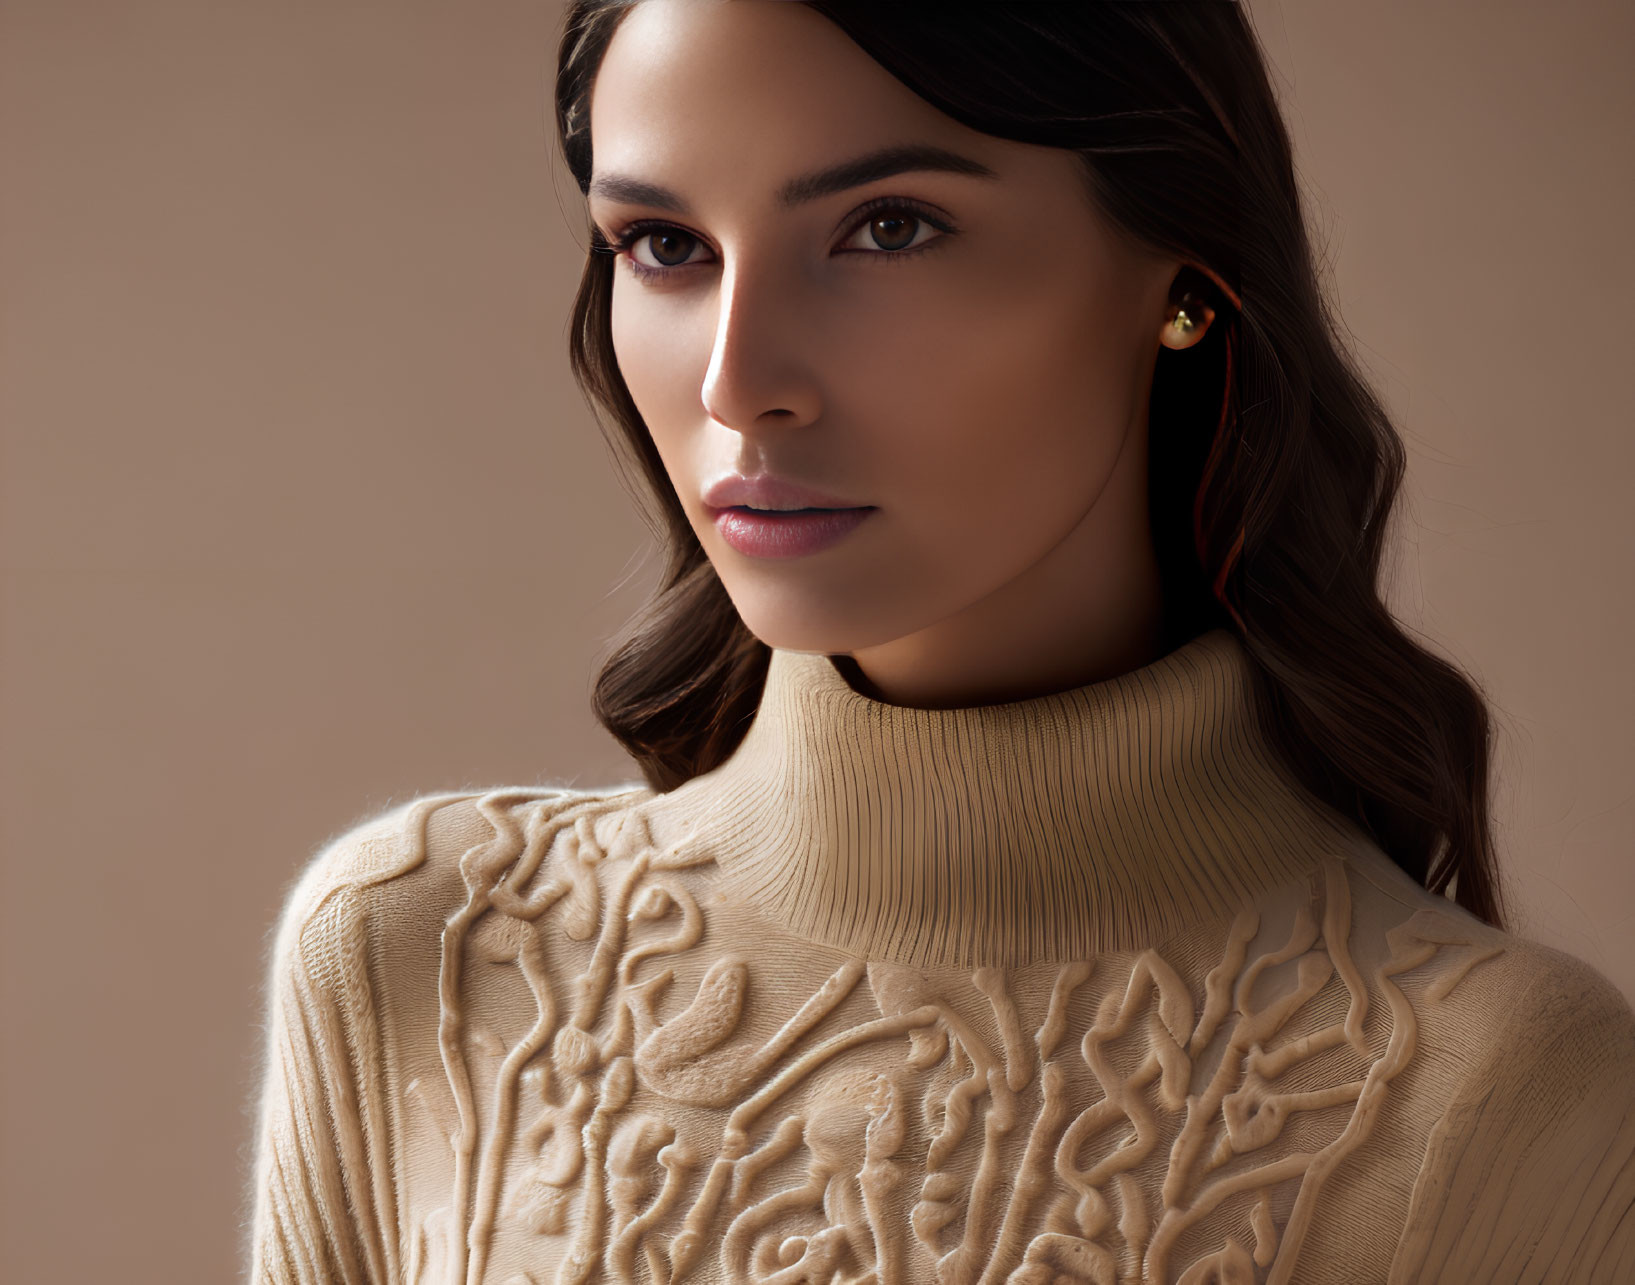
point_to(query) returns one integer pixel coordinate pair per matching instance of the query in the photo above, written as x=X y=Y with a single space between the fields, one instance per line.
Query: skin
x=988 y=393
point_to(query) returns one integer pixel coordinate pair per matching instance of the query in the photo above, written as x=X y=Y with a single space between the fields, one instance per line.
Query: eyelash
x=627 y=237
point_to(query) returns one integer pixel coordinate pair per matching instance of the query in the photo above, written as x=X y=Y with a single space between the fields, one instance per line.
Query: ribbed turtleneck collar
x=1102 y=818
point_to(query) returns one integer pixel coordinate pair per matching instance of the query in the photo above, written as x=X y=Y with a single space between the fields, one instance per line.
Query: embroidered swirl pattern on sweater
x=895 y=1124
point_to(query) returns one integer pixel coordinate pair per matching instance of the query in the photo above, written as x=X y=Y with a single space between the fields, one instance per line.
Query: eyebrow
x=881 y=163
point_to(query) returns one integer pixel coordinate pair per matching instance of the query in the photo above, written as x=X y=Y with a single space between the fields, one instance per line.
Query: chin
x=823 y=638
x=815 y=625
x=832 y=610
x=831 y=628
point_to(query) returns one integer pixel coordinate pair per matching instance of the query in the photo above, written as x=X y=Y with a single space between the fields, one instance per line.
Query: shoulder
x=1477 y=984
x=384 y=846
x=1566 y=1038
x=414 y=863
x=1517 y=1013
x=1520 y=1106
x=1530 y=1171
x=1570 y=1008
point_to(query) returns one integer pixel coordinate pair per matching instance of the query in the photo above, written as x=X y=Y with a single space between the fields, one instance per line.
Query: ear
x=1186 y=321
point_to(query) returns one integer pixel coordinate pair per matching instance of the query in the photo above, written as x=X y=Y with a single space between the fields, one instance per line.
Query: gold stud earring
x=1187 y=326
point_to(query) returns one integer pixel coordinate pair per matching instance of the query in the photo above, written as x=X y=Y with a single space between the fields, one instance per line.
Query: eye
x=675 y=246
x=892 y=226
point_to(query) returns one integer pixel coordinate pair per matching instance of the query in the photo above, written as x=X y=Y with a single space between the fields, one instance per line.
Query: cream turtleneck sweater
x=1079 y=988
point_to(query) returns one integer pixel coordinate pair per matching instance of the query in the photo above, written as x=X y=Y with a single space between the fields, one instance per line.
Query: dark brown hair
x=1274 y=468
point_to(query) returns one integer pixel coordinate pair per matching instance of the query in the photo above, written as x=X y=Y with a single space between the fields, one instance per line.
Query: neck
x=1101 y=818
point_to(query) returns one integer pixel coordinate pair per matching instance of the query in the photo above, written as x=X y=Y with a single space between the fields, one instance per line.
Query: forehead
x=717 y=89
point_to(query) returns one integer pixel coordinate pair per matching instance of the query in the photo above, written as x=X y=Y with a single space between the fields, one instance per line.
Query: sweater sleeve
x=324 y=1198
x=1529 y=1176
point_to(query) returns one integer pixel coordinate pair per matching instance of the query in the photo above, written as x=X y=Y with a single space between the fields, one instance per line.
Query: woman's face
x=967 y=354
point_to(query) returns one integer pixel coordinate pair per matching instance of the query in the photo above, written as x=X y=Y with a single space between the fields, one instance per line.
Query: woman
x=1039 y=872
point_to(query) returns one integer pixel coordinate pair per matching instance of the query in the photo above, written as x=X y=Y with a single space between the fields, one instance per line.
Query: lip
x=764 y=491
x=786 y=535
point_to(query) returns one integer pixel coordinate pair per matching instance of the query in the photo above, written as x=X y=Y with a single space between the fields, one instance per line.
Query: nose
x=760 y=371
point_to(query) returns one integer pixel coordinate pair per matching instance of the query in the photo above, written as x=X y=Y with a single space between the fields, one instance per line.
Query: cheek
x=649 y=343
x=659 y=370
x=1000 y=415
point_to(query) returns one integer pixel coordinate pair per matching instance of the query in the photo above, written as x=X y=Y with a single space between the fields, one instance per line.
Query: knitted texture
x=1081 y=988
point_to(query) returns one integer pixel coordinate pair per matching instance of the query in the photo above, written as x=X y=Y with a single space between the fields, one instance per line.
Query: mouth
x=769 y=493
x=785 y=533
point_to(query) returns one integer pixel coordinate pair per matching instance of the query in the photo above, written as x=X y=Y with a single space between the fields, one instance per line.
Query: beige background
x=303 y=515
